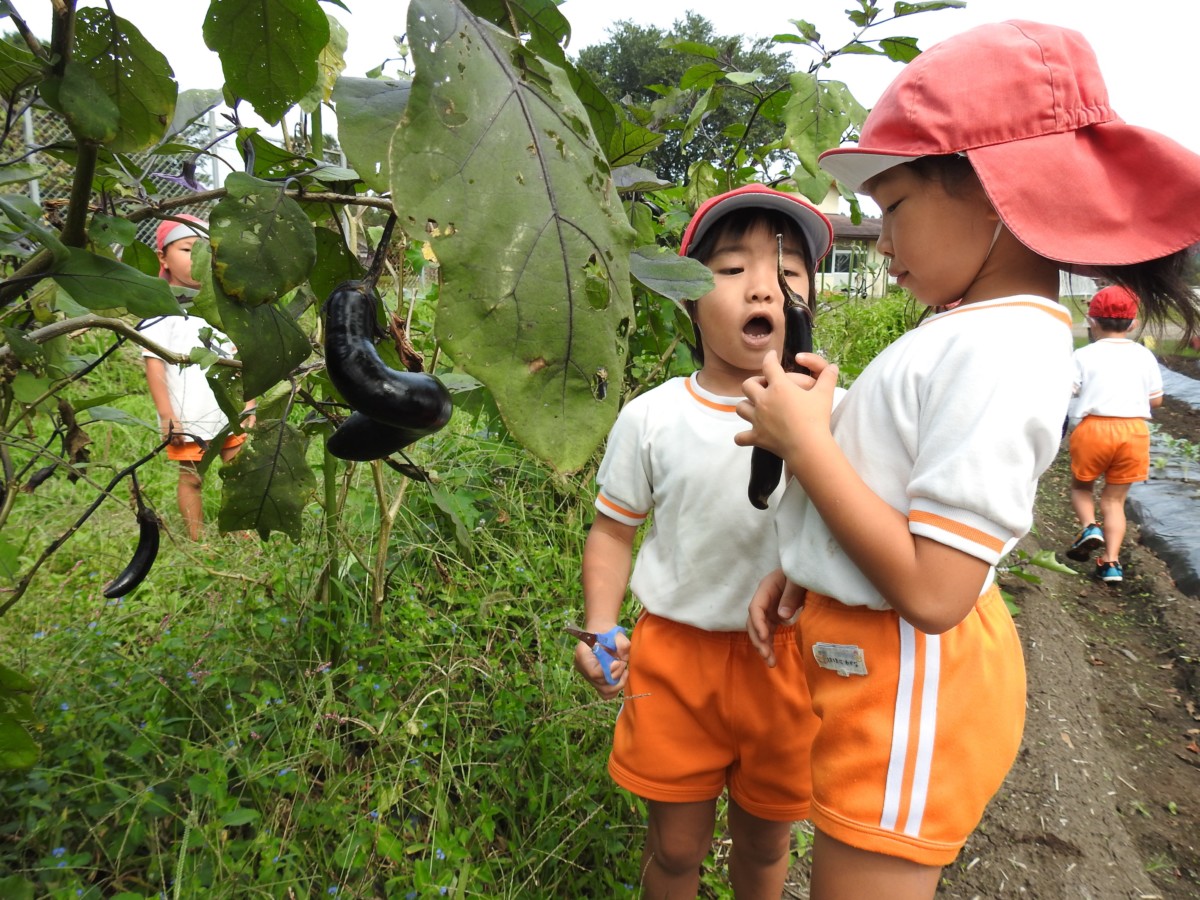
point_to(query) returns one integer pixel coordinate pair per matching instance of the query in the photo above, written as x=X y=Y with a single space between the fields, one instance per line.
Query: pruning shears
x=603 y=644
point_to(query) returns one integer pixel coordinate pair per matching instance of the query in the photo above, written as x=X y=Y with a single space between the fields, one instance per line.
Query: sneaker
x=1109 y=572
x=1089 y=539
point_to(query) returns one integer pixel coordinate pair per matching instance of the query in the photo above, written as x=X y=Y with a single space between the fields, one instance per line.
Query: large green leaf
x=367 y=112
x=89 y=112
x=268 y=484
x=330 y=63
x=131 y=73
x=19 y=68
x=97 y=282
x=673 y=276
x=268 y=49
x=190 y=105
x=269 y=342
x=496 y=161
x=817 y=116
x=262 y=242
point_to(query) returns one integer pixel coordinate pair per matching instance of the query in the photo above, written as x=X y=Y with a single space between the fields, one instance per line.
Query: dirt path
x=1103 y=802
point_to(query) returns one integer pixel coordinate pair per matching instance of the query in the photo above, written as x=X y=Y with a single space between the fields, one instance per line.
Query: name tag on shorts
x=845 y=659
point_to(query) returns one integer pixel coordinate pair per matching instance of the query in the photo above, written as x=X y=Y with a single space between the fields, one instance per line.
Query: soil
x=1104 y=798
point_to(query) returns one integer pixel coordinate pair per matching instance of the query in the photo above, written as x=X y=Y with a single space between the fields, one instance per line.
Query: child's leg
x=842 y=872
x=758 y=861
x=1112 y=509
x=191 y=500
x=1083 y=501
x=678 y=838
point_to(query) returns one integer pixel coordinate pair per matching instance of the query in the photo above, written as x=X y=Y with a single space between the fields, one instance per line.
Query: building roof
x=866 y=230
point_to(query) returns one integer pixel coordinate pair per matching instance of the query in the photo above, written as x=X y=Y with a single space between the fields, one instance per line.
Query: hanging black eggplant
x=392 y=409
x=765 y=467
x=143 y=555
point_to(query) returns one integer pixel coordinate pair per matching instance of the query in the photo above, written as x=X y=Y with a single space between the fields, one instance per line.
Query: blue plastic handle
x=606 y=651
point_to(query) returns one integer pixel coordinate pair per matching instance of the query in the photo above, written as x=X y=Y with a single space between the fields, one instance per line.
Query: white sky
x=1146 y=48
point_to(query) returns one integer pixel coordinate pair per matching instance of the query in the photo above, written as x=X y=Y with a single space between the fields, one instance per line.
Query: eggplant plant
x=496 y=153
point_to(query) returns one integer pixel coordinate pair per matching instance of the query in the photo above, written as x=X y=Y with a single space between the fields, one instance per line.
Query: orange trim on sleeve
x=620 y=509
x=972 y=534
x=721 y=407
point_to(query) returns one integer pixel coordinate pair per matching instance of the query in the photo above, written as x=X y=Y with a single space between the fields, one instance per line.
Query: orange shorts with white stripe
x=702 y=713
x=1118 y=449
x=917 y=731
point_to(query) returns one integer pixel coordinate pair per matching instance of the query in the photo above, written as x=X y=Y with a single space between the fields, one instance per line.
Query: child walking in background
x=702 y=714
x=906 y=496
x=185 y=404
x=1117 y=383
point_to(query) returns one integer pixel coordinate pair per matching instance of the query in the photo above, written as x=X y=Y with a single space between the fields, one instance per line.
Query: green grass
x=236 y=728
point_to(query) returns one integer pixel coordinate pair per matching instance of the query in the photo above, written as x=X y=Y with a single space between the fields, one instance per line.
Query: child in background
x=906 y=496
x=1117 y=383
x=185 y=404
x=700 y=716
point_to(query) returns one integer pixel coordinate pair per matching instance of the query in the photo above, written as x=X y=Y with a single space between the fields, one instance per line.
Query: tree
x=664 y=90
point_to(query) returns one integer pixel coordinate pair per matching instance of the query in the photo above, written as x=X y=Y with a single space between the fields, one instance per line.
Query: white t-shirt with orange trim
x=952 y=425
x=671 y=450
x=1115 y=377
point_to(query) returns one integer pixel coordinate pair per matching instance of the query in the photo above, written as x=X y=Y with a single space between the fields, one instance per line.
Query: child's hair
x=1036 y=128
x=744 y=209
x=1108 y=323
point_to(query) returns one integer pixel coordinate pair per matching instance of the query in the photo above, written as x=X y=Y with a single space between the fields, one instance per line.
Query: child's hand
x=775 y=602
x=588 y=665
x=171 y=435
x=783 y=408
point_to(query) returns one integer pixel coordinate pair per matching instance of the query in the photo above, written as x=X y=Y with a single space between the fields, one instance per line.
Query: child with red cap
x=904 y=498
x=1117 y=383
x=188 y=413
x=701 y=712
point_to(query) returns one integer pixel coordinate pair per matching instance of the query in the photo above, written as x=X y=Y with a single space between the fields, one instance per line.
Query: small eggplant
x=143 y=557
x=765 y=467
x=360 y=438
x=415 y=402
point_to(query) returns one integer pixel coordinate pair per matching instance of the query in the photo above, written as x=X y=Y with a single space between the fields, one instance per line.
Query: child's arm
x=607 y=561
x=931 y=585
x=156 y=380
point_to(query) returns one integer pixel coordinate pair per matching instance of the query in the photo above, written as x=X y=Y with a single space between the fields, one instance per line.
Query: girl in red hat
x=702 y=715
x=983 y=155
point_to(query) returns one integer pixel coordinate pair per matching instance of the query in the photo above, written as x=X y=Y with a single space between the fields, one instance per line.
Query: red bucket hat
x=1115 y=302
x=817 y=231
x=1026 y=103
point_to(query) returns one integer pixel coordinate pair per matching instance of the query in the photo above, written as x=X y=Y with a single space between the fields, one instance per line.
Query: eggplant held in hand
x=765 y=467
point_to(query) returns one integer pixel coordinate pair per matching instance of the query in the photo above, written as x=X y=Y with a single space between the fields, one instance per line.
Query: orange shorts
x=907 y=756
x=1118 y=449
x=703 y=712
x=190 y=451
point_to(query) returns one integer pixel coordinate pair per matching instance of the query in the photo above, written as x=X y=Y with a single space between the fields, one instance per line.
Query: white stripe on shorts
x=900 y=719
x=926 y=734
x=927 y=730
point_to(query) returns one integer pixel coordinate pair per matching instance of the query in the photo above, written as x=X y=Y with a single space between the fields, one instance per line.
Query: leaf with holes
x=268 y=49
x=496 y=161
x=262 y=242
x=268 y=484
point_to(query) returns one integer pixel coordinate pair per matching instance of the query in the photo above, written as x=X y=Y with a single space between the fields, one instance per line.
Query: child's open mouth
x=758 y=330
